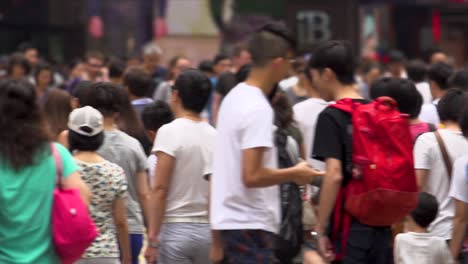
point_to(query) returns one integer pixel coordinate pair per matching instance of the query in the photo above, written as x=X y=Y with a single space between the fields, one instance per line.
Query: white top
x=427 y=156
x=425 y=90
x=245 y=121
x=421 y=248
x=191 y=144
x=306 y=114
x=459 y=188
x=429 y=114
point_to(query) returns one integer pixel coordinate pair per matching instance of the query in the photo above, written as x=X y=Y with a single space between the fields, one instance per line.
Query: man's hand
x=326 y=249
x=305 y=173
x=313 y=257
x=96 y=27
x=151 y=255
x=216 y=254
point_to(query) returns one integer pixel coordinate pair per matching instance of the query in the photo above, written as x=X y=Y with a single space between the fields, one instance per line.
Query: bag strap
x=445 y=154
x=58 y=164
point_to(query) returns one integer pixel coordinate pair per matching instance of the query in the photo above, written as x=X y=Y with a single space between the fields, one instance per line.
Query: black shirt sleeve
x=328 y=142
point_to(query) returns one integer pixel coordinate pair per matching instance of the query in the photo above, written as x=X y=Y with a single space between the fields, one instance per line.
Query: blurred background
x=65 y=30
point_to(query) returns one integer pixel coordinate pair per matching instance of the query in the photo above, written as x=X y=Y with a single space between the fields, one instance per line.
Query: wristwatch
x=316 y=235
x=153 y=243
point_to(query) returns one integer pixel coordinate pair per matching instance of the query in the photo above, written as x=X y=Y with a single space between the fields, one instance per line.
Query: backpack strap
x=445 y=154
x=58 y=164
x=347 y=105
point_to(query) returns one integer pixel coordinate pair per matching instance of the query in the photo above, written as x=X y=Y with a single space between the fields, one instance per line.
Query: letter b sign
x=313 y=27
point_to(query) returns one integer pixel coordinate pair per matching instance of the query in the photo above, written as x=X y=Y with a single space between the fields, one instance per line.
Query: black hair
x=440 y=74
x=338 y=56
x=194 y=90
x=403 y=91
x=272 y=41
x=105 y=97
x=396 y=56
x=116 y=68
x=80 y=89
x=459 y=80
x=137 y=81
x=75 y=62
x=84 y=143
x=426 y=211
x=284 y=115
x=18 y=59
x=417 y=70
x=450 y=105
x=94 y=54
x=206 y=66
x=367 y=67
x=226 y=82
x=243 y=73
x=44 y=67
x=25 y=46
x=220 y=57
x=464 y=121
x=157 y=114
x=23 y=135
x=238 y=49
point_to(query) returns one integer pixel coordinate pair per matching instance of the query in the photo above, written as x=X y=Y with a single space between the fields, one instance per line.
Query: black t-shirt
x=333 y=138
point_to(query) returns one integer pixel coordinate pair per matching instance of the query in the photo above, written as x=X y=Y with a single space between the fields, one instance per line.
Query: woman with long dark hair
x=27 y=177
x=57 y=107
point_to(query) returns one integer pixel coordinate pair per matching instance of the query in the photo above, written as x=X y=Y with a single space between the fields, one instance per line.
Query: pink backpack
x=73 y=230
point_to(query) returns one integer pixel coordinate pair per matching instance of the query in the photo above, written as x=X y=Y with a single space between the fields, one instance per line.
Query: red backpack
x=383 y=188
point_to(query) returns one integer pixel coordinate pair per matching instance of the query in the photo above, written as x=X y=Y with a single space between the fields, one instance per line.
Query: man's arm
x=144 y=193
x=158 y=201
x=254 y=175
x=459 y=227
x=421 y=178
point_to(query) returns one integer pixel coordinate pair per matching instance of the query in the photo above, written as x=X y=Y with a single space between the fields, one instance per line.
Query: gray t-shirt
x=128 y=153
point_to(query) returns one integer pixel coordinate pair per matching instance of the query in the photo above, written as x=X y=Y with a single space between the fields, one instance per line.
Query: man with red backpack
x=369 y=182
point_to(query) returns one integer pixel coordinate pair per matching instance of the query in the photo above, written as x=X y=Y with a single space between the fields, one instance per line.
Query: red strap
x=58 y=164
x=346 y=105
x=341 y=222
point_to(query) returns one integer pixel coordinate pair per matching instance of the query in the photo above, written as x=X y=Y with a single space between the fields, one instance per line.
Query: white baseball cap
x=86 y=121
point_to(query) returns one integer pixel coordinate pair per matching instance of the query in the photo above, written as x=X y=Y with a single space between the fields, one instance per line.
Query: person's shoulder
x=461 y=161
x=428 y=137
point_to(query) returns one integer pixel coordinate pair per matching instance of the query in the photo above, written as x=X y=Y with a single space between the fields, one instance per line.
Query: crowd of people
x=242 y=159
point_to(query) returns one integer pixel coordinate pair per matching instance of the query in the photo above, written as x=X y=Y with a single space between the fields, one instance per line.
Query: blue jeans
x=136 y=243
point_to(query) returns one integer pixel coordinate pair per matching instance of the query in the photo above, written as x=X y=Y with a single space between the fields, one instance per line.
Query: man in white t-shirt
x=417 y=71
x=430 y=168
x=245 y=201
x=459 y=194
x=306 y=114
x=178 y=224
x=438 y=75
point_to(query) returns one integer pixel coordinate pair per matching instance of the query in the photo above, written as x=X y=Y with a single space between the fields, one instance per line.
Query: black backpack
x=289 y=241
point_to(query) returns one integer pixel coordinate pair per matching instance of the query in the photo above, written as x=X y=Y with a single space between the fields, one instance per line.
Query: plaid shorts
x=248 y=247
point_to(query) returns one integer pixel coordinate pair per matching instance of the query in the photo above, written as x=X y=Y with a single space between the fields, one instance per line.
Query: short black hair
x=403 y=91
x=396 y=56
x=116 y=68
x=194 y=89
x=417 y=70
x=137 y=81
x=84 y=143
x=440 y=74
x=80 y=89
x=94 y=54
x=25 y=46
x=43 y=67
x=459 y=80
x=426 y=211
x=272 y=41
x=450 y=105
x=337 y=56
x=18 y=59
x=206 y=66
x=220 y=57
x=157 y=114
x=464 y=121
x=105 y=97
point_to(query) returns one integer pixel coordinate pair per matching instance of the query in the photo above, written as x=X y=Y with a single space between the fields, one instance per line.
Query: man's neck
x=418 y=229
x=347 y=91
x=109 y=123
x=261 y=78
x=452 y=126
x=182 y=113
x=438 y=93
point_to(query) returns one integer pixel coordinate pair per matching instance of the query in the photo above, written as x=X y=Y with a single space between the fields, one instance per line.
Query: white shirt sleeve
x=396 y=253
x=459 y=186
x=423 y=153
x=166 y=142
x=257 y=130
x=444 y=256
